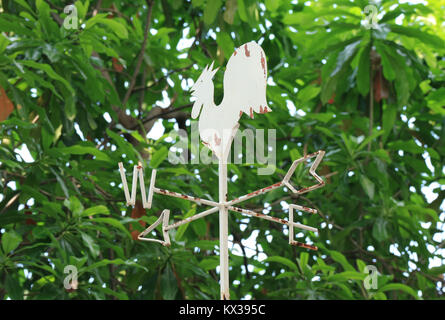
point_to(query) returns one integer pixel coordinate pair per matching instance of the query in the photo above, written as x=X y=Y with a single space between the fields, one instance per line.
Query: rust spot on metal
x=303 y=190
x=217 y=140
x=246 y=50
x=311 y=154
x=305 y=245
x=263 y=63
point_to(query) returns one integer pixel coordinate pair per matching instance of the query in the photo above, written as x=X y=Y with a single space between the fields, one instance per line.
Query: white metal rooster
x=244 y=91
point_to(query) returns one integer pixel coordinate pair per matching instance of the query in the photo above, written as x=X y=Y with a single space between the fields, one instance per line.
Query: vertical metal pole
x=223 y=231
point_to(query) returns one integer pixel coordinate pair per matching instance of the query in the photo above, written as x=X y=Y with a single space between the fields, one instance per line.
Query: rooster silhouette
x=244 y=92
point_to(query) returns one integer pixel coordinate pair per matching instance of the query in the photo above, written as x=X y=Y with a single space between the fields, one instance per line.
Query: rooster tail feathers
x=245 y=80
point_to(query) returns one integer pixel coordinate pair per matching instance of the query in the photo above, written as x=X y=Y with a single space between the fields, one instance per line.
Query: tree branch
x=141 y=53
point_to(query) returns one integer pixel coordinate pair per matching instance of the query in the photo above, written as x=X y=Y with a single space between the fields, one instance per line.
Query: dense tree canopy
x=76 y=101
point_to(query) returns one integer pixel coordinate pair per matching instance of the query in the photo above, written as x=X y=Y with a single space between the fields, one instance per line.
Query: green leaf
x=200 y=227
x=437 y=270
x=49 y=71
x=368 y=139
x=340 y=258
x=308 y=93
x=80 y=150
x=211 y=10
x=407 y=145
x=242 y=10
x=388 y=67
x=123 y=145
x=100 y=209
x=427 y=38
x=348 y=275
x=158 y=157
x=368 y=186
x=363 y=71
x=209 y=263
x=379 y=296
x=399 y=286
x=389 y=119
x=108 y=291
x=360 y=265
x=231 y=9
x=168 y=284
x=379 y=230
x=117 y=27
x=105 y=262
x=226 y=43
x=272 y=5
x=70 y=108
x=74 y=205
x=324 y=117
x=114 y=223
x=282 y=260
x=203 y=244
x=10 y=241
x=284 y=275
x=3 y=43
x=183 y=228
x=91 y=245
x=435 y=101
x=81 y=8
x=304 y=258
x=345 y=57
x=13 y=288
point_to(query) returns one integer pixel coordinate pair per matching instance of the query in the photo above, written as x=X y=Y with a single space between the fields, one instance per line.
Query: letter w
x=137 y=172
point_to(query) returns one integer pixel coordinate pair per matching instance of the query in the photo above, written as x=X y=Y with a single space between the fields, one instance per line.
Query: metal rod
x=273 y=219
x=185 y=197
x=192 y=218
x=255 y=193
x=164 y=217
x=223 y=231
x=319 y=155
x=134 y=185
x=124 y=183
x=150 y=190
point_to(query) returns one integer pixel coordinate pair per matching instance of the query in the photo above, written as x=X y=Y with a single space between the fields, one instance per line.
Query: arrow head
x=319 y=155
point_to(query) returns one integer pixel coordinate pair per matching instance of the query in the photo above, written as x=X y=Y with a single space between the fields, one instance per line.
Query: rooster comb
x=207 y=74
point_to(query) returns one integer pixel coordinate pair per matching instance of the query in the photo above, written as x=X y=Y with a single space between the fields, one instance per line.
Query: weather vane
x=245 y=92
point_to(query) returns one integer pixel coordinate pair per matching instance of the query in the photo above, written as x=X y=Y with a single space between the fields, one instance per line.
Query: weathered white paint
x=244 y=92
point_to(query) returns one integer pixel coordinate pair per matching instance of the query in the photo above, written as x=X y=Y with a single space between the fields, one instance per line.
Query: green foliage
x=373 y=99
